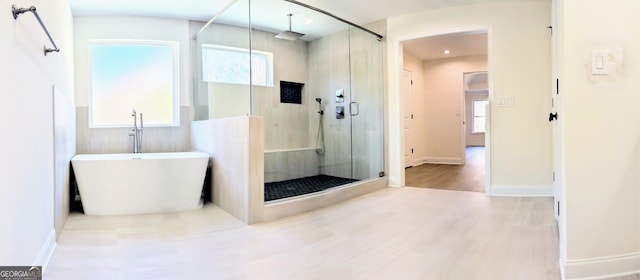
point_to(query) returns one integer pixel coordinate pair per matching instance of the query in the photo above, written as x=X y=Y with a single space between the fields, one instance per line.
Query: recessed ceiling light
x=446 y=52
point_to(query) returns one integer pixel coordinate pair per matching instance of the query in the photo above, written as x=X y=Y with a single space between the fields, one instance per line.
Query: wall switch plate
x=508 y=101
x=599 y=62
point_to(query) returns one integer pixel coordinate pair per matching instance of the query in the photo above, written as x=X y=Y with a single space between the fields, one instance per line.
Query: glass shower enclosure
x=315 y=80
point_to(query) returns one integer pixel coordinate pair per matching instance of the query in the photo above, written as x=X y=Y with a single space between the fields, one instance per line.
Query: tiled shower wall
x=287 y=165
x=117 y=140
x=286 y=125
x=354 y=145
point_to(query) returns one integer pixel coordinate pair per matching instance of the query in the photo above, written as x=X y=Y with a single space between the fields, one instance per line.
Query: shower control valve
x=339 y=112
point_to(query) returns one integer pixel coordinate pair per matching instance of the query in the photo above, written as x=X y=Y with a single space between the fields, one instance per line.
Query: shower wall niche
x=240 y=65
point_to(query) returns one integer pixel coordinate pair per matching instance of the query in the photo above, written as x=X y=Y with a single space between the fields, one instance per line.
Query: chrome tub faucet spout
x=136 y=132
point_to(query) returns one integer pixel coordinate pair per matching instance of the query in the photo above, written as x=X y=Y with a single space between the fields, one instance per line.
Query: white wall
x=444 y=106
x=600 y=118
x=114 y=140
x=26 y=110
x=519 y=63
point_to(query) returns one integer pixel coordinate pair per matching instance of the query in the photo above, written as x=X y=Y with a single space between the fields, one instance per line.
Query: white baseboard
x=437 y=160
x=603 y=268
x=419 y=161
x=475 y=144
x=46 y=251
x=515 y=190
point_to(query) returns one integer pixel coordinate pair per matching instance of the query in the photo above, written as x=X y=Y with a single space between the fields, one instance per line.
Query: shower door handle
x=357 y=110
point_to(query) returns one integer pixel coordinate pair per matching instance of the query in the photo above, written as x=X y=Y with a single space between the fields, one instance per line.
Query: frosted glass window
x=140 y=75
x=479 y=116
x=221 y=64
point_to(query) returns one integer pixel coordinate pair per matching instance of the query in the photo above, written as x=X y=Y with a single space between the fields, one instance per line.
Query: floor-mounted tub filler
x=123 y=184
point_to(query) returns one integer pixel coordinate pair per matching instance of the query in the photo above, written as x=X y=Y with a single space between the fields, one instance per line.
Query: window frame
x=270 y=80
x=174 y=45
x=473 y=115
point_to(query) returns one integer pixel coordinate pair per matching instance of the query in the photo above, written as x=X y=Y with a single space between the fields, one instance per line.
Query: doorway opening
x=446 y=111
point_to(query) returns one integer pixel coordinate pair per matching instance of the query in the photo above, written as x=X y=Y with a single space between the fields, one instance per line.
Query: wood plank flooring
x=395 y=233
x=467 y=177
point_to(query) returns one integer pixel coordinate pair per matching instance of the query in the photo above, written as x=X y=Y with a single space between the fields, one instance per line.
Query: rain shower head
x=288 y=34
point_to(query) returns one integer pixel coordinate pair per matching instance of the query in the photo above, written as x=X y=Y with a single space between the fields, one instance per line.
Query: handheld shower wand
x=320 y=111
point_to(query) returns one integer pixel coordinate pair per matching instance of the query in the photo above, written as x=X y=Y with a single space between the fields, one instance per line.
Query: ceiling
x=458 y=44
x=357 y=11
x=270 y=15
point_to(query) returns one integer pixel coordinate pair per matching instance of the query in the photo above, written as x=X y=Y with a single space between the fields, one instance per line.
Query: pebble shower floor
x=301 y=186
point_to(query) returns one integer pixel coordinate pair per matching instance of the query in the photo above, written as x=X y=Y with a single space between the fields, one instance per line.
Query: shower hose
x=320 y=137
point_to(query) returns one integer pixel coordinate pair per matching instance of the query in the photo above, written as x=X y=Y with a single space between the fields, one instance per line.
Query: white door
x=555 y=117
x=407 y=118
x=556 y=140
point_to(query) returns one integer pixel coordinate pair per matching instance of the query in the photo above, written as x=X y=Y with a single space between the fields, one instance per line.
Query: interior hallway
x=394 y=233
x=467 y=177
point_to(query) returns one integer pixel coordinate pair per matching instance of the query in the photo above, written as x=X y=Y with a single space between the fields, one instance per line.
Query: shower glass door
x=221 y=64
x=366 y=106
x=329 y=79
x=323 y=113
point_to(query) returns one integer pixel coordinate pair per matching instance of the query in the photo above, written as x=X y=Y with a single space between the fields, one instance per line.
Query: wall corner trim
x=603 y=267
x=46 y=251
x=521 y=190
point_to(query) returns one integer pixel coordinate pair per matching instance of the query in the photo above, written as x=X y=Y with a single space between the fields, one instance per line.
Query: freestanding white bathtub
x=122 y=184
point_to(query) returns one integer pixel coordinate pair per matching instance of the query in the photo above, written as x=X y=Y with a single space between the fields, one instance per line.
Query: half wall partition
x=316 y=81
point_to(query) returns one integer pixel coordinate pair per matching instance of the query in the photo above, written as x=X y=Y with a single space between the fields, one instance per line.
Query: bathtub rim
x=140 y=156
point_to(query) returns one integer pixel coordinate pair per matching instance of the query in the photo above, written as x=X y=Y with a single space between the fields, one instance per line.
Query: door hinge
x=411 y=82
x=412 y=116
x=557 y=86
x=554 y=176
x=558 y=208
x=412 y=150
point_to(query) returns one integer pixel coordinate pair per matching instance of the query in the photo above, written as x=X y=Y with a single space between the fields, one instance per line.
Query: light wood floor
x=467 y=177
x=395 y=233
